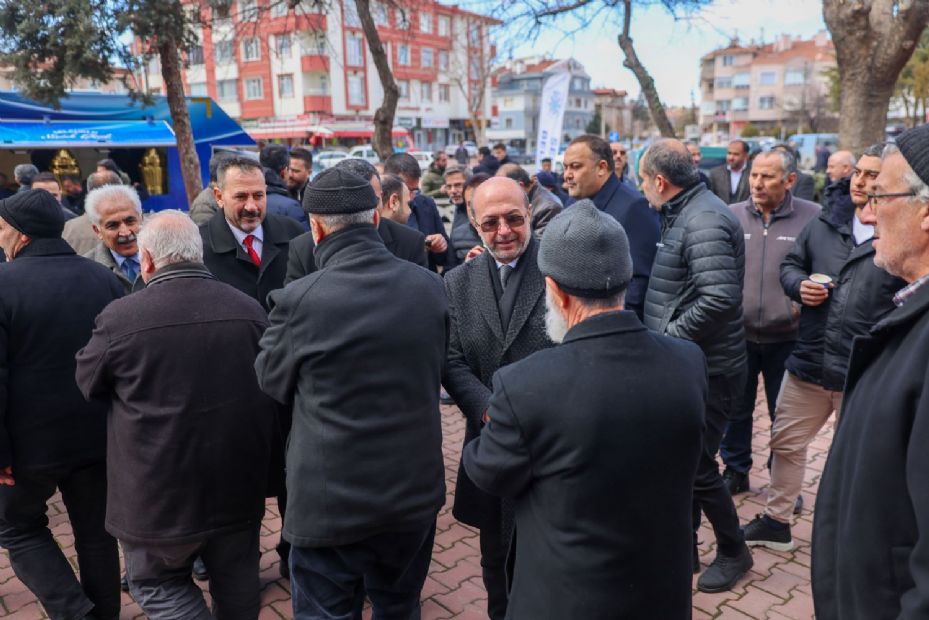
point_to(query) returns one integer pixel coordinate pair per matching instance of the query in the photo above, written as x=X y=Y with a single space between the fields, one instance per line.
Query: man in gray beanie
x=869 y=531
x=357 y=348
x=574 y=449
x=50 y=437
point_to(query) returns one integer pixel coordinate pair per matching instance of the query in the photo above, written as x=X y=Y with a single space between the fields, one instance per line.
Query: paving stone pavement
x=778 y=587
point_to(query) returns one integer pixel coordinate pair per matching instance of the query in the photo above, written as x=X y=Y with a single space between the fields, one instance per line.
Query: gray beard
x=555 y=325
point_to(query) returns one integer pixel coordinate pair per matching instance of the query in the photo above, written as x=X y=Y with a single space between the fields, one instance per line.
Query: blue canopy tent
x=117 y=122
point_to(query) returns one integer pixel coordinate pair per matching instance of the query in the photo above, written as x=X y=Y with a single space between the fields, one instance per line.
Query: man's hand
x=6 y=476
x=812 y=293
x=436 y=243
x=474 y=252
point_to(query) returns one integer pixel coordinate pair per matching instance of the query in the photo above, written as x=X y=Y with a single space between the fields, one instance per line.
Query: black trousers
x=494 y=545
x=710 y=493
x=37 y=559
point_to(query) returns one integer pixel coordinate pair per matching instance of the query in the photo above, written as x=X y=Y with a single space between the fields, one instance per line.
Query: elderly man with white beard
x=583 y=548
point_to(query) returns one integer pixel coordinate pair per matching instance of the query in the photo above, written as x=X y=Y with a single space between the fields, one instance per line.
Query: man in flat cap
x=357 y=349
x=584 y=498
x=50 y=437
x=869 y=534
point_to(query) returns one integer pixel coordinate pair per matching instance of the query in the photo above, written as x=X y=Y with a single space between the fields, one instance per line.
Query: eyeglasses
x=875 y=199
x=492 y=224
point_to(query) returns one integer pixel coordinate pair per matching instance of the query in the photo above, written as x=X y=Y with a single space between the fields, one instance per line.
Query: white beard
x=555 y=325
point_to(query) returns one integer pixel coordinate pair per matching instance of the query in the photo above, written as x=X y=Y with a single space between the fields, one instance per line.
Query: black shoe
x=199 y=570
x=759 y=533
x=798 y=505
x=124 y=583
x=725 y=571
x=736 y=481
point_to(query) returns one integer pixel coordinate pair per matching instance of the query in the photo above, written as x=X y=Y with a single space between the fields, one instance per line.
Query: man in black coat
x=497 y=309
x=869 y=536
x=50 y=436
x=589 y=173
x=188 y=448
x=357 y=348
x=276 y=162
x=243 y=245
x=729 y=181
x=695 y=293
x=402 y=241
x=583 y=550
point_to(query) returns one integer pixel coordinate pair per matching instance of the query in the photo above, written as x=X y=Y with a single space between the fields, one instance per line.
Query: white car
x=365 y=152
x=327 y=159
x=423 y=158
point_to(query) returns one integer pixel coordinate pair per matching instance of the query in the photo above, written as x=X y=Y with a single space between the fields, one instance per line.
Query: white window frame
x=404 y=87
x=228 y=96
x=261 y=89
x=224 y=59
x=423 y=54
x=425 y=22
x=281 y=80
x=425 y=91
x=245 y=49
x=354 y=50
x=445 y=26
x=358 y=80
x=445 y=93
x=248 y=10
x=403 y=54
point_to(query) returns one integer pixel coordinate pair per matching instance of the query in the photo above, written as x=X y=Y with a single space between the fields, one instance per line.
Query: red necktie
x=252 y=254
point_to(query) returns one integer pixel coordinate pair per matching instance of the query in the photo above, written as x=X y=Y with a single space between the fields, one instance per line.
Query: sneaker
x=736 y=481
x=725 y=571
x=199 y=570
x=759 y=533
x=798 y=505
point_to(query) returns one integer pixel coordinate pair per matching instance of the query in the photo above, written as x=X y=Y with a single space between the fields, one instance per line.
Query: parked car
x=472 y=149
x=518 y=156
x=328 y=159
x=423 y=158
x=365 y=152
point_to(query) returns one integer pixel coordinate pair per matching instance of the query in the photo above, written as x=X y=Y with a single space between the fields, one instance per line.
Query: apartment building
x=516 y=98
x=290 y=73
x=779 y=84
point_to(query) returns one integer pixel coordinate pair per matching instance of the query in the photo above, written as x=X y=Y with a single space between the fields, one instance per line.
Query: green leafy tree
x=594 y=125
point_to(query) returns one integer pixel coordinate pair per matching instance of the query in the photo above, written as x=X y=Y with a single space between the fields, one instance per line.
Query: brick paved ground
x=778 y=586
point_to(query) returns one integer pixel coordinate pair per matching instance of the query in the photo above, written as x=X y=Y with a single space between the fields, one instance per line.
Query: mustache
x=126 y=238
x=249 y=213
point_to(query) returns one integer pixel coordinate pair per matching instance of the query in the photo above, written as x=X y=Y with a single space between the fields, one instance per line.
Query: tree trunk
x=384 y=116
x=873 y=40
x=632 y=62
x=177 y=103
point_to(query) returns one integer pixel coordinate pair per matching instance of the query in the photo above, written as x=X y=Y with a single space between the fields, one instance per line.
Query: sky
x=670 y=49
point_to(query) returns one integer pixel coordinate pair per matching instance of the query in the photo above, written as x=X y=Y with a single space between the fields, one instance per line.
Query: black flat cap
x=336 y=191
x=35 y=213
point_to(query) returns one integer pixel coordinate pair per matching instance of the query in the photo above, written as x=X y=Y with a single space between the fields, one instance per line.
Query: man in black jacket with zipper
x=695 y=292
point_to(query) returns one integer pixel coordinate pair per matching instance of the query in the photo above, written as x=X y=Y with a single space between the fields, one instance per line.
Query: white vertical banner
x=551 y=116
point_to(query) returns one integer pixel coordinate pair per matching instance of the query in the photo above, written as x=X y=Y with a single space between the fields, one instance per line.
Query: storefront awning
x=55 y=134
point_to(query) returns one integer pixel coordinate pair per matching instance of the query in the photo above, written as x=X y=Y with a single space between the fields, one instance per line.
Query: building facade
x=777 y=85
x=615 y=113
x=284 y=71
x=517 y=91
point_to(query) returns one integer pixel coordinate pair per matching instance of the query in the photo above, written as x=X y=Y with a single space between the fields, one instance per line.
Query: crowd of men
x=290 y=338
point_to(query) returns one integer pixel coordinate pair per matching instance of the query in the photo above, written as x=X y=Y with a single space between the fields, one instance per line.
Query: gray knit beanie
x=914 y=146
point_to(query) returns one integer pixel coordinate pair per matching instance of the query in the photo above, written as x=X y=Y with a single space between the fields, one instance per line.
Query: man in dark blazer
x=188 y=449
x=50 y=437
x=402 y=241
x=357 y=348
x=583 y=549
x=497 y=309
x=243 y=245
x=589 y=173
x=729 y=181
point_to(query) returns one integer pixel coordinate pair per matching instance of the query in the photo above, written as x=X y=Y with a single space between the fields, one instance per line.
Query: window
x=251 y=49
x=356 y=90
x=221 y=9
x=283 y=46
x=426 y=56
x=425 y=22
x=195 y=55
x=508 y=123
x=577 y=102
x=425 y=91
x=379 y=14
x=404 y=87
x=728 y=61
x=351 y=14
x=766 y=103
x=279 y=9
x=445 y=93
x=254 y=89
x=443 y=60
x=723 y=105
x=403 y=54
x=444 y=26
x=402 y=19
x=224 y=54
x=724 y=82
x=740 y=104
x=741 y=80
x=198 y=89
x=354 y=52
x=226 y=90
x=474 y=35
x=248 y=10
x=794 y=77
x=312 y=43
x=767 y=78
x=285 y=86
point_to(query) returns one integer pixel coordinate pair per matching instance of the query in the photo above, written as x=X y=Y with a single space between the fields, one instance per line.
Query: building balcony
x=317 y=103
x=314 y=63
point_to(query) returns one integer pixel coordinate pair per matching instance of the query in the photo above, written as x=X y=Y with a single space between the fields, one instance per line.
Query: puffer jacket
x=695 y=289
x=862 y=295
